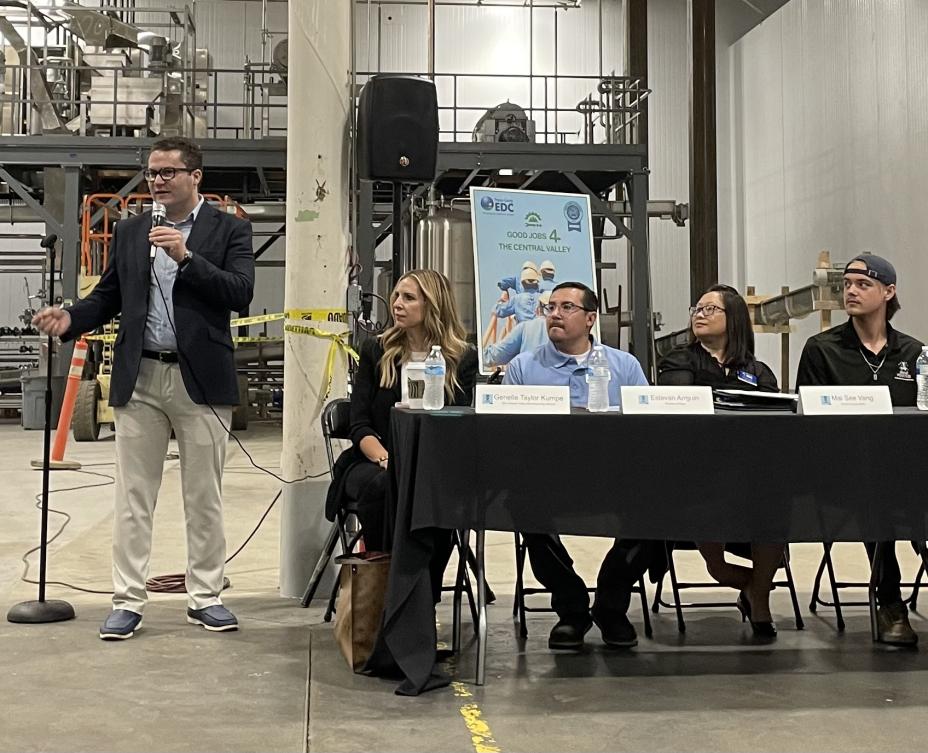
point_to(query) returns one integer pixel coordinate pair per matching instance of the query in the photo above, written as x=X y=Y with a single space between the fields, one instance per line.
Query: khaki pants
x=143 y=428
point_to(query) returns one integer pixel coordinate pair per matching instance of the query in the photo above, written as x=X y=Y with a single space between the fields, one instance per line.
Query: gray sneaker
x=120 y=625
x=216 y=618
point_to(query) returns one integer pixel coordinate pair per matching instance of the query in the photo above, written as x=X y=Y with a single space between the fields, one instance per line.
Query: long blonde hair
x=442 y=327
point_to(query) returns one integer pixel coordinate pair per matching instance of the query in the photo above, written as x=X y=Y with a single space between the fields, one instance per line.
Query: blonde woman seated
x=424 y=314
x=723 y=356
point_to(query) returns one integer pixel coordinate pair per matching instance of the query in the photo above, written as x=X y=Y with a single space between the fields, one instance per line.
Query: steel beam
x=131 y=152
x=554 y=157
x=636 y=56
x=641 y=343
x=20 y=190
x=280 y=232
x=704 y=232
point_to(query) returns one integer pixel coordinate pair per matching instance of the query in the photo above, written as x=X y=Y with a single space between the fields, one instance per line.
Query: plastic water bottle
x=921 y=379
x=597 y=378
x=434 y=398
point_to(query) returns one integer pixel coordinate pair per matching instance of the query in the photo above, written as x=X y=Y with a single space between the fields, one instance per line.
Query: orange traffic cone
x=57 y=462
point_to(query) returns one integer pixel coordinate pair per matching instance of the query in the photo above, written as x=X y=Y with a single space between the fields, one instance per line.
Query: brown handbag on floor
x=362 y=588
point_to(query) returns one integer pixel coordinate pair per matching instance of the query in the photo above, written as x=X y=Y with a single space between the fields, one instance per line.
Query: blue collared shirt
x=547 y=366
x=524 y=337
x=159 y=335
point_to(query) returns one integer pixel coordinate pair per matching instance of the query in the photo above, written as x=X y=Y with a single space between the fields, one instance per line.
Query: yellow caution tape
x=319 y=315
x=338 y=341
x=262 y=339
x=260 y=319
x=314 y=315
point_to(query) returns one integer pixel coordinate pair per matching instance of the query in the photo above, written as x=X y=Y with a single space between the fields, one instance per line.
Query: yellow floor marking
x=480 y=735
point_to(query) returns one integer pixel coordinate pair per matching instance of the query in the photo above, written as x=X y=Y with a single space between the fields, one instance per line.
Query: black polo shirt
x=837 y=357
x=693 y=364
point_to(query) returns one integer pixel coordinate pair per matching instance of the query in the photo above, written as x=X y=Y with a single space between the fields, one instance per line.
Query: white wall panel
x=668 y=153
x=833 y=140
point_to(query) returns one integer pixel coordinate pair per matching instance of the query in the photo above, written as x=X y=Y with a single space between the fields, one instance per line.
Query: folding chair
x=678 y=605
x=827 y=565
x=519 y=607
x=336 y=424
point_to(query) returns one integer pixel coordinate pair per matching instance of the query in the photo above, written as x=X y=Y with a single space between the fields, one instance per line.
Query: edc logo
x=489 y=204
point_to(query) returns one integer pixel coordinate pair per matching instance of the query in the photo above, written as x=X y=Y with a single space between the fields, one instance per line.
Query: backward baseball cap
x=876 y=267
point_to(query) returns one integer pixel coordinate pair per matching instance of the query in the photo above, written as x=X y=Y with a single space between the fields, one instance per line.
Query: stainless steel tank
x=444 y=243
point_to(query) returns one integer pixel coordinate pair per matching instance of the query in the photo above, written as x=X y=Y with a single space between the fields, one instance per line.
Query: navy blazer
x=218 y=280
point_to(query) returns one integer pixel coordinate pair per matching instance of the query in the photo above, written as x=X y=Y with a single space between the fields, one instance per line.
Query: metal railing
x=122 y=96
x=607 y=113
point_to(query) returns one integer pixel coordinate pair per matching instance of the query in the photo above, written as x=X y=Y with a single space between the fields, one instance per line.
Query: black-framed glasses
x=707 y=311
x=166 y=173
x=567 y=308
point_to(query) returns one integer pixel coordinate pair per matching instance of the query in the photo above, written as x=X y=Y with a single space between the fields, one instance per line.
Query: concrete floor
x=280 y=684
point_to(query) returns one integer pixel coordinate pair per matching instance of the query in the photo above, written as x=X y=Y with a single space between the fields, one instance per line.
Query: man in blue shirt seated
x=570 y=315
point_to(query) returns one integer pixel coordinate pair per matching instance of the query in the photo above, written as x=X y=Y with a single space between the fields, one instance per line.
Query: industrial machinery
x=98 y=74
x=506 y=122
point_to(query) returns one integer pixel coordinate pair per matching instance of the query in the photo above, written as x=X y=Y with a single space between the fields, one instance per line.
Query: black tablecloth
x=728 y=477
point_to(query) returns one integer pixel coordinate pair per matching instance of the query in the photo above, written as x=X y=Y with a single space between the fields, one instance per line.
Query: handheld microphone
x=158 y=216
x=49 y=240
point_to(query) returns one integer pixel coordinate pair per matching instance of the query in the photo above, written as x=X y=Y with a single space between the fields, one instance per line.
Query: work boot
x=567 y=634
x=893 y=625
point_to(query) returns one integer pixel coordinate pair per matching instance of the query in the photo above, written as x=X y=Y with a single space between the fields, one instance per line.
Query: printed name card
x=658 y=400
x=845 y=401
x=518 y=398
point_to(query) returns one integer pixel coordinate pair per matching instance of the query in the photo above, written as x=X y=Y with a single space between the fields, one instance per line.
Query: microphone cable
x=159 y=584
x=175 y=582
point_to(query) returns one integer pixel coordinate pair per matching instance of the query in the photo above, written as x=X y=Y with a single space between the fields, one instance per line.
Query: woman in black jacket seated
x=424 y=314
x=723 y=356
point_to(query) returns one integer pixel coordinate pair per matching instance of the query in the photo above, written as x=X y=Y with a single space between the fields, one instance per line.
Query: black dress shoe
x=616 y=629
x=568 y=634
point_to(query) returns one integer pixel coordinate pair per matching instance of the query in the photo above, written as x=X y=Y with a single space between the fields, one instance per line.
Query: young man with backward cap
x=866 y=350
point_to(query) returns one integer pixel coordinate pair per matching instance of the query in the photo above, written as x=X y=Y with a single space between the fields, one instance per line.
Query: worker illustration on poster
x=525 y=243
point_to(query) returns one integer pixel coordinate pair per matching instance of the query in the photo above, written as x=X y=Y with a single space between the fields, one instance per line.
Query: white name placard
x=522 y=398
x=845 y=401
x=656 y=400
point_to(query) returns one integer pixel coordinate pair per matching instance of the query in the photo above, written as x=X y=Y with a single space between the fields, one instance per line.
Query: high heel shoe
x=744 y=606
x=762 y=628
x=766 y=629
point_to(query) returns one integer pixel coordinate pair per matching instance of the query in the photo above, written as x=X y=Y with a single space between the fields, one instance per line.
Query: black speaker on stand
x=398 y=141
x=51 y=610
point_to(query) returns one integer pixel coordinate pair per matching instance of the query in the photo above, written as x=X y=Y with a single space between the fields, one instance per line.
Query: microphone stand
x=52 y=610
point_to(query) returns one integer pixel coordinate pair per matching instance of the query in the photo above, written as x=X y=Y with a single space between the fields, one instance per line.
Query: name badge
x=744 y=376
x=660 y=400
x=522 y=398
x=845 y=401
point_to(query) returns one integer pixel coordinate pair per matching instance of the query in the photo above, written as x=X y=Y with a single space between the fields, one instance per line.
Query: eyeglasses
x=567 y=308
x=166 y=173
x=707 y=311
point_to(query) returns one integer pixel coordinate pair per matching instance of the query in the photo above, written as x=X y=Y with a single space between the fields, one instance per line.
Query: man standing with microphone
x=174 y=277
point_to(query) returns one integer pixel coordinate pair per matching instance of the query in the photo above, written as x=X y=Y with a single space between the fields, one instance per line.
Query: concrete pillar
x=317 y=243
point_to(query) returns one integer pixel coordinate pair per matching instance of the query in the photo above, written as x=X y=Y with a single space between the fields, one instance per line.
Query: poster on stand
x=525 y=243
